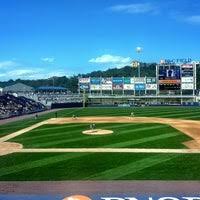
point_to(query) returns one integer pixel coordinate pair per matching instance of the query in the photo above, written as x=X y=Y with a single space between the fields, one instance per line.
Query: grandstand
x=11 y=106
x=50 y=96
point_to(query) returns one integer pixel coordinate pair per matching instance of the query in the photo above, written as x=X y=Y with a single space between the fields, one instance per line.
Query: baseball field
x=156 y=143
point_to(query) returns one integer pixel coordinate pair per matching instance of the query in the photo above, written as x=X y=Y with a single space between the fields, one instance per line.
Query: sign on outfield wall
x=117 y=86
x=95 y=81
x=117 y=80
x=106 y=87
x=140 y=80
x=128 y=80
x=187 y=86
x=187 y=79
x=95 y=87
x=106 y=81
x=129 y=87
x=151 y=80
x=84 y=87
x=151 y=86
x=139 y=86
x=84 y=80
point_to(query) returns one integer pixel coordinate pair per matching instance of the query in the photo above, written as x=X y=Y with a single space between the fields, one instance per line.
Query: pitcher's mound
x=97 y=132
x=9 y=147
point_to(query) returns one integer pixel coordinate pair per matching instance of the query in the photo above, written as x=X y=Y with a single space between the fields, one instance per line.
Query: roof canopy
x=51 y=88
x=18 y=87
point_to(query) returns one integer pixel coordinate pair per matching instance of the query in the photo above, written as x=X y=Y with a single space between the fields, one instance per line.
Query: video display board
x=169 y=77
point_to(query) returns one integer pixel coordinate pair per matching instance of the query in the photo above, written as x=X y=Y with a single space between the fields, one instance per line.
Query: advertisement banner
x=187 y=79
x=84 y=86
x=129 y=80
x=151 y=86
x=106 y=81
x=187 y=86
x=187 y=70
x=95 y=81
x=106 y=87
x=95 y=87
x=117 y=86
x=84 y=80
x=117 y=80
x=129 y=87
x=140 y=80
x=151 y=80
x=139 y=87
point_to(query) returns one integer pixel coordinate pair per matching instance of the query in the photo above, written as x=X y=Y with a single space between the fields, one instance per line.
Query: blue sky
x=44 y=38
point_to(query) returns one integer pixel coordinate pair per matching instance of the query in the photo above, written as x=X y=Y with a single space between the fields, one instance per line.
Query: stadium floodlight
x=139 y=51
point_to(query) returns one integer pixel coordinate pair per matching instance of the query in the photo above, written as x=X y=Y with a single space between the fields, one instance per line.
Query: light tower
x=138 y=51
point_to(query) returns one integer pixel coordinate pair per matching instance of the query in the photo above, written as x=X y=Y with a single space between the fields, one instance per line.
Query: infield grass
x=124 y=135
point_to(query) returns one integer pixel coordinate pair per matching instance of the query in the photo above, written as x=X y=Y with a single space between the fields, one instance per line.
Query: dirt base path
x=110 y=150
x=188 y=127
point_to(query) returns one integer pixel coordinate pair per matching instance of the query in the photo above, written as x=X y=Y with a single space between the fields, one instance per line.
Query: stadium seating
x=11 y=106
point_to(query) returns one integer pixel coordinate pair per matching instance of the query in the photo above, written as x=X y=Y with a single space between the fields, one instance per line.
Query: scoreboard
x=169 y=77
x=176 y=76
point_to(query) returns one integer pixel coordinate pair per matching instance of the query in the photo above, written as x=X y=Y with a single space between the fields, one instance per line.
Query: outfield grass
x=125 y=135
x=99 y=166
x=165 y=112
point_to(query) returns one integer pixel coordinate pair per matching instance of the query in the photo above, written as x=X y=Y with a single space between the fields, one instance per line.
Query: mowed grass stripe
x=39 y=134
x=130 y=168
x=143 y=140
x=37 y=163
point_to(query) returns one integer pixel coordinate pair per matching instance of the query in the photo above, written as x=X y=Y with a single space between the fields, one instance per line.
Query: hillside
x=72 y=82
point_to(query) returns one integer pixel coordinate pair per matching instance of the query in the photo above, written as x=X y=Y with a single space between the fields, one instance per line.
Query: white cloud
x=107 y=58
x=48 y=59
x=35 y=73
x=195 y=19
x=9 y=63
x=24 y=73
x=137 y=8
